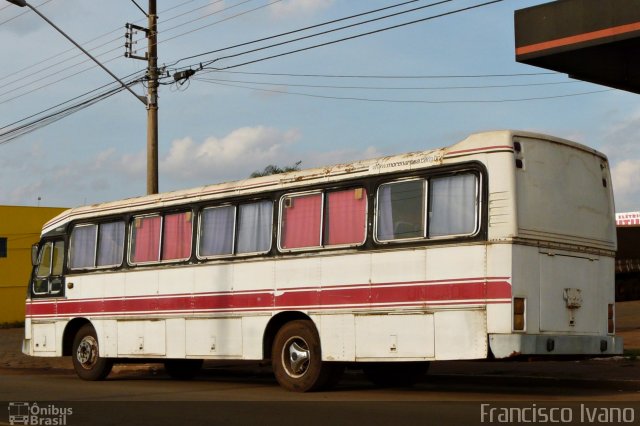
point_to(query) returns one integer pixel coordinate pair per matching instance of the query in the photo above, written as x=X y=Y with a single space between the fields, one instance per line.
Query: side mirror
x=34 y=254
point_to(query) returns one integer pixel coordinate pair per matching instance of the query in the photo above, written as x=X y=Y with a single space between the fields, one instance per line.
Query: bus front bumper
x=511 y=345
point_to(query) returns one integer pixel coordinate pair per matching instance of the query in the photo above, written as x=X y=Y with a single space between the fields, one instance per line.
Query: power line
x=12 y=134
x=300 y=30
x=15 y=132
x=414 y=101
x=52 y=74
x=215 y=12
x=4 y=7
x=45 y=85
x=192 y=10
x=221 y=20
x=350 y=37
x=139 y=8
x=326 y=86
x=69 y=100
x=57 y=55
x=370 y=76
x=23 y=13
x=55 y=73
x=31 y=126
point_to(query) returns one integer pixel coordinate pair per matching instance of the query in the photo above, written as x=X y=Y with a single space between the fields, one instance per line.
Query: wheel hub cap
x=87 y=352
x=298 y=359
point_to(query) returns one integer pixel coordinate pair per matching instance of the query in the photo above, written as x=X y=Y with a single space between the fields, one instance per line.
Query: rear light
x=611 y=327
x=519 y=308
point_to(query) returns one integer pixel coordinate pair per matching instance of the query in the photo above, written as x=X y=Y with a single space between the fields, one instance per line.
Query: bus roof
x=477 y=143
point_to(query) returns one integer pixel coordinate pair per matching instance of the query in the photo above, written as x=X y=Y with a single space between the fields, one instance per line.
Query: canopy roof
x=591 y=40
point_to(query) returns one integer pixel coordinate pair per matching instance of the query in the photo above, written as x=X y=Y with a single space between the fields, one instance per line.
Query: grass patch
x=15 y=324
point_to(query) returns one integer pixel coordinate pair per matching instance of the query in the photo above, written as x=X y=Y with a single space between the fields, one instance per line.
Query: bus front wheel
x=297 y=360
x=87 y=362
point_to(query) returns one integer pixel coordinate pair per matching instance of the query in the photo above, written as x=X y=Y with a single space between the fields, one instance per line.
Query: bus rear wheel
x=297 y=359
x=87 y=362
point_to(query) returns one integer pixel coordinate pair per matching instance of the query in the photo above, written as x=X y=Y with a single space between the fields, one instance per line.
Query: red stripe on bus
x=263 y=290
x=479 y=150
x=414 y=293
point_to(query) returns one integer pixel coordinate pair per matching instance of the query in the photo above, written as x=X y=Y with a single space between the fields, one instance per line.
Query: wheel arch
x=275 y=323
x=70 y=331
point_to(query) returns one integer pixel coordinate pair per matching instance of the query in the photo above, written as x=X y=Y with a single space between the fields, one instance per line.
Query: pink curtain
x=146 y=235
x=176 y=236
x=346 y=217
x=301 y=222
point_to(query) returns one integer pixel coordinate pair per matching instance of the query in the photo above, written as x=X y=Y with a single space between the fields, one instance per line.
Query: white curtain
x=83 y=246
x=111 y=244
x=254 y=227
x=385 y=214
x=216 y=231
x=453 y=205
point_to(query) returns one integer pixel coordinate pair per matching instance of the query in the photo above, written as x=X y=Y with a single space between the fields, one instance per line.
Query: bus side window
x=300 y=221
x=55 y=280
x=401 y=210
x=345 y=217
x=217 y=227
x=41 y=282
x=177 y=232
x=82 y=246
x=110 y=244
x=96 y=246
x=255 y=221
x=49 y=278
x=453 y=205
x=145 y=239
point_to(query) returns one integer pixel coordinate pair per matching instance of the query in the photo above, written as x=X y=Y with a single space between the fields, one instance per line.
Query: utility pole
x=151 y=56
x=152 y=102
x=152 y=74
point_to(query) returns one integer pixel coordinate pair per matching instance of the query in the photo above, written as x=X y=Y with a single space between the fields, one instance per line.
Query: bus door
x=48 y=280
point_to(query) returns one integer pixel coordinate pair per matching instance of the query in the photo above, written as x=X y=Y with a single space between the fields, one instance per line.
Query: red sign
x=628 y=219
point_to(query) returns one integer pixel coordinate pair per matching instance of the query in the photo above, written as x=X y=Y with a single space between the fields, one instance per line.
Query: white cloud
x=233 y=156
x=298 y=8
x=341 y=156
x=213 y=8
x=111 y=174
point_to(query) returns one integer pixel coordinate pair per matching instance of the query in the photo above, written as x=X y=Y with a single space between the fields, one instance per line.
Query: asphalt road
x=248 y=394
x=606 y=379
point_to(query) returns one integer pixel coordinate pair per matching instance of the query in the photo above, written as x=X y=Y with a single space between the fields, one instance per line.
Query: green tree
x=272 y=169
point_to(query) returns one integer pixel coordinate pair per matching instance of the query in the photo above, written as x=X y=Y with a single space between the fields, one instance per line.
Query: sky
x=307 y=106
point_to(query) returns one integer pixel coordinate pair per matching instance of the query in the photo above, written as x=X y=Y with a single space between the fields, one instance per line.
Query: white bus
x=498 y=246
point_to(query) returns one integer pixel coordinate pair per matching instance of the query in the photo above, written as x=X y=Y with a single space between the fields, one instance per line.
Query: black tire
x=87 y=362
x=183 y=369
x=395 y=374
x=297 y=359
